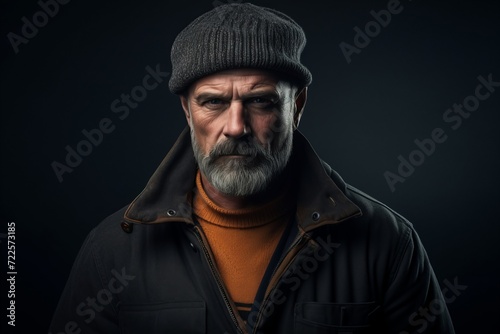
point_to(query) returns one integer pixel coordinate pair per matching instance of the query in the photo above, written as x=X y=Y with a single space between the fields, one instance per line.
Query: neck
x=241 y=202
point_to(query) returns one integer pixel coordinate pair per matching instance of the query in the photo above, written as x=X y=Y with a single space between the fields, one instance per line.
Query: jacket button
x=127 y=227
x=193 y=247
x=171 y=212
x=315 y=216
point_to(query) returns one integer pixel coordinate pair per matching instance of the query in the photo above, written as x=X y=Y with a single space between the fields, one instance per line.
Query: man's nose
x=236 y=125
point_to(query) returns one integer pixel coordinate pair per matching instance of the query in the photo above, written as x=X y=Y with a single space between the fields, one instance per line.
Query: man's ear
x=185 y=107
x=300 y=103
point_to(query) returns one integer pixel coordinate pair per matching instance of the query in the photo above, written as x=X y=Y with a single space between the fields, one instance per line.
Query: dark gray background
x=360 y=117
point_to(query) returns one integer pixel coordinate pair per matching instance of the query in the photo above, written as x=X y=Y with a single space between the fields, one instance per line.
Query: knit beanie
x=238 y=35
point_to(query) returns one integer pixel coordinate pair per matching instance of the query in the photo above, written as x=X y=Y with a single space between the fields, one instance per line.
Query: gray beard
x=243 y=176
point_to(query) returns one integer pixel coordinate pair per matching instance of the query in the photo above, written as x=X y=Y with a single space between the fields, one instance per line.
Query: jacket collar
x=167 y=195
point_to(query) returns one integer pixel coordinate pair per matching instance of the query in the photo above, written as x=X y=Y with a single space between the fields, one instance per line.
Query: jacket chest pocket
x=332 y=318
x=164 y=318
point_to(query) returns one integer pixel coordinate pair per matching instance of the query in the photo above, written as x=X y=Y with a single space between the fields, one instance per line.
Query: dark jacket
x=347 y=264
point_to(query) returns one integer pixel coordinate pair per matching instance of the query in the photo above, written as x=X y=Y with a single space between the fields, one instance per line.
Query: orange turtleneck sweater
x=242 y=241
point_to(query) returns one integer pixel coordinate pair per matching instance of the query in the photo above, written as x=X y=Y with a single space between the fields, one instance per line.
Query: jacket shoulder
x=110 y=226
x=108 y=241
x=378 y=224
x=373 y=208
x=386 y=233
x=369 y=206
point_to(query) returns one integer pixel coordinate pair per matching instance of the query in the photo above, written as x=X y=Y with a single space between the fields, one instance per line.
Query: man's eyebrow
x=208 y=96
x=267 y=93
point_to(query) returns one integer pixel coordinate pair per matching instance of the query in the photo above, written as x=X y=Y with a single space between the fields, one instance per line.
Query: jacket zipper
x=295 y=244
x=216 y=275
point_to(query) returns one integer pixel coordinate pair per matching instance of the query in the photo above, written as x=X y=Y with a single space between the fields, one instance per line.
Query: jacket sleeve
x=87 y=304
x=413 y=302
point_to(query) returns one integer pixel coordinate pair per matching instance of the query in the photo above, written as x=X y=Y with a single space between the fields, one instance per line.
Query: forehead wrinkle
x=217 y=87
x=243 y=76
x=242 y=91
x=264 y=84
x=257 y=88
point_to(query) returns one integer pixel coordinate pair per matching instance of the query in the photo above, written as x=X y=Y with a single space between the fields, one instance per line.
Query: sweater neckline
x=252 y=217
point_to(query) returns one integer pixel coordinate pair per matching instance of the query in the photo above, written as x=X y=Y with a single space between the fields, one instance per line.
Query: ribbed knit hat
x=238 y=35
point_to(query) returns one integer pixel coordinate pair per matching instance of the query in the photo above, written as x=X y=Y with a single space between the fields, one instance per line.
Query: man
x=242 y=228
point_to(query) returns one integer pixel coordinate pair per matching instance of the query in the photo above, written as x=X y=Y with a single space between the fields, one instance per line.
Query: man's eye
x=261 y=102
x=214 y=101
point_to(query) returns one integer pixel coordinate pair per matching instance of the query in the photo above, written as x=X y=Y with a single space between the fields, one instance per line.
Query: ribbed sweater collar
x=251 y=217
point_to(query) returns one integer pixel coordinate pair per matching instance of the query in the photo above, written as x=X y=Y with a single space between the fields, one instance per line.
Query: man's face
x=241 y=128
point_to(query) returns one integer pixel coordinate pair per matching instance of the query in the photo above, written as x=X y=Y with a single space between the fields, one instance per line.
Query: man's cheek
x=201 y=139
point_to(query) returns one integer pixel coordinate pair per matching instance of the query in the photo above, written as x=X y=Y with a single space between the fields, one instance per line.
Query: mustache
x=236 y=147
